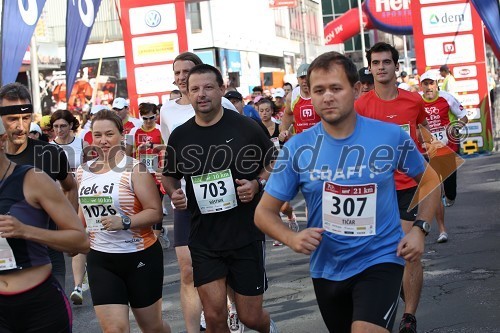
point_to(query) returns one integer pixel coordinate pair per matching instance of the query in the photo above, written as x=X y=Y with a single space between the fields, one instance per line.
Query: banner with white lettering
x=80 y=18
x=19 y=20
x=450 y=32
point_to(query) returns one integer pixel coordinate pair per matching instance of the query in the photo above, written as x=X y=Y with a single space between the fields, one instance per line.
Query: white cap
x=97 y=108
x=35 y=128
x=119 y=103
x=431 y=74
x=279 y=92
x=2 y=129
x=404 y=86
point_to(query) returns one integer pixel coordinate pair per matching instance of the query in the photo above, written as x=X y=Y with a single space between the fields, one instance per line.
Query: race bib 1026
x=214 y=191
x=350 y=210
x=95 y=208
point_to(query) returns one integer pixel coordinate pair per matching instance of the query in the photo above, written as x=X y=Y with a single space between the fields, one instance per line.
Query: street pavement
x=461 y=290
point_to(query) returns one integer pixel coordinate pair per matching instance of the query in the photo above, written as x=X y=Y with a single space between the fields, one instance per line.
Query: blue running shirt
x=367 y=159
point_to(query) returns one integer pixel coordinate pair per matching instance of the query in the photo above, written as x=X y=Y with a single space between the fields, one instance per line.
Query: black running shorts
x=404 y=200
x=371 y=296
x=44 y=308
x=243 y=268
x=123 y=278
x=182 y=227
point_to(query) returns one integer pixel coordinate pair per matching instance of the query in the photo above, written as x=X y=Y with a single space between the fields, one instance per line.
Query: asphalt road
x=461 y=284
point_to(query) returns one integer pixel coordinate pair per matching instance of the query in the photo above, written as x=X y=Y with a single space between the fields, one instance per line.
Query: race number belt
x=95 y=208
x=7 y=259
x=214 y=191
x=349 y=210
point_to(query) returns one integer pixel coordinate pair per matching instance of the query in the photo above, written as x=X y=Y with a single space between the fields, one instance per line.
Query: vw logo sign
x=153 y=18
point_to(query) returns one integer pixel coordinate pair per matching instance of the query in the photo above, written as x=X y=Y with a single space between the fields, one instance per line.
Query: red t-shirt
x=406 y=110
x=151 y=157
x=303 y=112
x=438 y=118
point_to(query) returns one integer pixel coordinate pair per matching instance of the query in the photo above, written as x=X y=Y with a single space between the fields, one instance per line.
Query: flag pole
x=94 y=90
x=35 y=79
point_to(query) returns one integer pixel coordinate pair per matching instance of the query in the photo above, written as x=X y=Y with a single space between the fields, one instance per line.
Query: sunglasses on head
x=149 y=118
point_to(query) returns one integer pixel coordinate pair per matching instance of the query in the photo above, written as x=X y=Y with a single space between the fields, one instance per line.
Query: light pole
x=304 y=28
x=362 y=32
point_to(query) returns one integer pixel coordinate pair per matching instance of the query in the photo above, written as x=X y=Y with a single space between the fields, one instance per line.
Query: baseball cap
x=430 y=75
x=365 y=75
x=45 y=121
x=233 y=95
x=35 y=128
x=97 y=108
x=257 y=99
x=279 y=92
x=404 y=86
x=119 y=103
x=302 y=71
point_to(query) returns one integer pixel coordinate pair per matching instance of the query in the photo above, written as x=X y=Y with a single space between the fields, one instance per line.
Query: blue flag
x=80 y=18
x=19 y=20
x=489 y=10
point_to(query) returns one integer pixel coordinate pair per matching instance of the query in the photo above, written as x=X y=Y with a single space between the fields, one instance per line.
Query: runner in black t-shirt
x=16 y=112
x=223 y=157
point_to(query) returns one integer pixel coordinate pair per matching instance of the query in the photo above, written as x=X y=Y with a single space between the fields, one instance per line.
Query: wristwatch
x=262 y=183
x=126 y=222
x=423 y=225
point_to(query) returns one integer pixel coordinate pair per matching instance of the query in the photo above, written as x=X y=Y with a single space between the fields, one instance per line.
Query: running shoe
x=272 y=327
x=234 y=323
x=408 y=324
x=447 y=202
x=292 y=223
x=164 y=237
x=77 y=296
x=203 y=324
x=443 y=237
x=277 y=243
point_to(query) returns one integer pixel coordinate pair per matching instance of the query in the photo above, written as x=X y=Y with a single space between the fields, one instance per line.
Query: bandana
x=16 y=109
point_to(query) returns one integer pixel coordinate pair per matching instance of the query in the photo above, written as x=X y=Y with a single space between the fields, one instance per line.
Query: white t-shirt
x=173 y=114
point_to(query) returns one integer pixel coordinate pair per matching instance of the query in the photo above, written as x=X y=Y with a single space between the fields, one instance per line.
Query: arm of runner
x=268 y=220
x=41 y=191
x=173 y=188
x=427 y=197
x=287 y=119
x=70 y=189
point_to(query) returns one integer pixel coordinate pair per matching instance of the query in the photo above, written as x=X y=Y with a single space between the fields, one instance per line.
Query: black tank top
x=13 y=202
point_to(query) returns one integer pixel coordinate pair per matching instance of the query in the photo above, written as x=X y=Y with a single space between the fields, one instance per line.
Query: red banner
x=154 y=36
x=345 y=27
x=451 y=33
x=282 y=3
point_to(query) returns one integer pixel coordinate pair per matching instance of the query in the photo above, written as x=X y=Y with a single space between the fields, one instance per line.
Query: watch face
x=426 y=226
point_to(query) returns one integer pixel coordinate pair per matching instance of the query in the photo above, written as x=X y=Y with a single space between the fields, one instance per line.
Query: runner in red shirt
x=438 y=104
x=299 y=109
x=390 y=104
x=145 y=144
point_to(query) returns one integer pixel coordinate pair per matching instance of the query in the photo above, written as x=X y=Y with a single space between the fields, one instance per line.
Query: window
x=195 y=16
x=280 y=18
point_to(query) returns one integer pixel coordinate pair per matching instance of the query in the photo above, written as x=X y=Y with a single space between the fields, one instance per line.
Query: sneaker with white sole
x=77 y=296
x=235 y=326
x=443 y=237
x=272 y=327
x=292 y=223
x=277 y=243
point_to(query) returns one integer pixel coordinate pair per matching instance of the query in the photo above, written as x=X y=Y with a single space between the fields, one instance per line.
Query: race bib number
x=150 y=161
x=406 y=128
x=214 y=191
x=95 y=208
x=276 y=142
x=349 y=210
x=440 y=134
x=7 y=260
